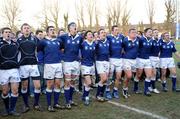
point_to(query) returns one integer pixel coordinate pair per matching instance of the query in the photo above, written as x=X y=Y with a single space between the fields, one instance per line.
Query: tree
x=90 y=11
x=45 y=22
x=141 y=26
x=50 y=14
x=170 y=15
x=80 y=13
x=55 y=12
x=151 y=11
x=114 y=12
x=96 y=17
x=66 y=17
x=125 y=18
x=11 y=13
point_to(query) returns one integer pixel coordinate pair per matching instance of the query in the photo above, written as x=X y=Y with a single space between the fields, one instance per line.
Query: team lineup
x=67 y=56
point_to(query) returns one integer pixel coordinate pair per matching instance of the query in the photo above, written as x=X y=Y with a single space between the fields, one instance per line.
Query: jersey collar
x=167 y=42
x=72 y=37
x=89 y=43
x=147 y=39
x=116 y=37
x=52 y=39
x=9 y=42
x=131 y=39
x=155 y=39
x=103 y=41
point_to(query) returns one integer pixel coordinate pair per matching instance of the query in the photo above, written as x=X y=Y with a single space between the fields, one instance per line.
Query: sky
x=32 y=9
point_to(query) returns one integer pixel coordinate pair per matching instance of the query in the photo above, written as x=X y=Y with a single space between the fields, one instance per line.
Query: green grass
x=164 y=104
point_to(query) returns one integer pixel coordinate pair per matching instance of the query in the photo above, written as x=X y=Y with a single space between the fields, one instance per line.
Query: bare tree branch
x=80 y=13
x=66 y=17
x=170 y=14
x=90 y=11
x=114 y=12
x=125 y=17
x=11 y=12
x=150 y=11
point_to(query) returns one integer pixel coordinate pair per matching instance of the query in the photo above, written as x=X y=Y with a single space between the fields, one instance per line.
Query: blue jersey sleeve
x=40 y=46
x=174 y=48
x=62 y=40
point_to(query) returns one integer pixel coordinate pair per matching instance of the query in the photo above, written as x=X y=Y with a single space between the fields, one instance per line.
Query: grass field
x=165 y=105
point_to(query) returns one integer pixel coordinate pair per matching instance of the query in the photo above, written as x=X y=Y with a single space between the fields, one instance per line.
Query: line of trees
x=117 y=12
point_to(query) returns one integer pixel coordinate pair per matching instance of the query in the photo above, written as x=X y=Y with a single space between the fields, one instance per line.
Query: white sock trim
x=23 y=91
x=87 y=88
x=57 y=90
x=48 y=90
x=4 y=96
x=37 y=91
x=147 y=80
x=12 y=95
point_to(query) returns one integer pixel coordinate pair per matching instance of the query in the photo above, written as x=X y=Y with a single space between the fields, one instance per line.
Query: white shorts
x=102 y=67
x=155 y=62
x=71 y=68
x=167 y=63
x=143 y=63
x=26 y=71
x=9 y=75
x=52 y=71
x=87 y=70
x=116 y=65
x=129 y=64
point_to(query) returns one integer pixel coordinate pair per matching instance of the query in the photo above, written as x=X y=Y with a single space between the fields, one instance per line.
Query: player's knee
x=129 y=76
x=67 y=83
x=15 y=91
x=37 y=86
x=173 y=72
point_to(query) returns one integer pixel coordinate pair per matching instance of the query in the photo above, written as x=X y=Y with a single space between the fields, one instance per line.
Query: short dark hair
x=95 y=32
x=47 y=29
x=17 y=33
x=38 y=31
x=154 y=29
x=140 y=32
x=85 y=34
x=100 y=30
x=114 y=26
x=147 y=29
x=70 y=25
x=5 y=28
x=60 y=30
x=131 y=29
x=25 y=24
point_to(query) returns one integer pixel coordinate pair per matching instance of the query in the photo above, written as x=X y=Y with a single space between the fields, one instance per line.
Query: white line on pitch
x=137 y=110
x=133 y=109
